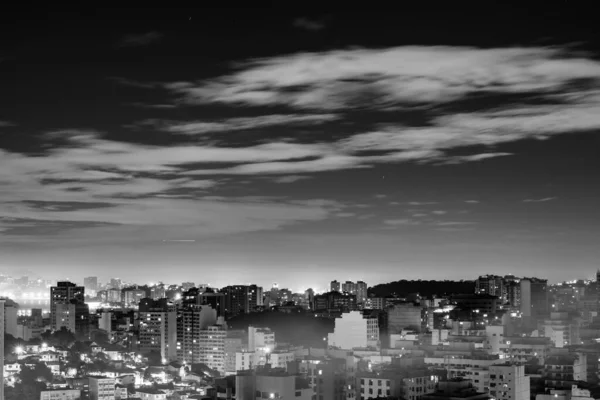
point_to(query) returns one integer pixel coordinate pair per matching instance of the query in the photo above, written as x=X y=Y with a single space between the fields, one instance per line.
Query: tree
x=154 y=358
x=62 y=337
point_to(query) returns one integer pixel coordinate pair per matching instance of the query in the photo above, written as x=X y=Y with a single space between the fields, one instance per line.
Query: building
x=242 y=298
x=395 y=382
x=114 y=295
x=260 y=338
x=2 y=346
x=187 y=285
x=534 y=298
x=492 y=285
x=215 y=300
x=334 y=286
x=190 y=322
x=158 y=292
x=64 y=293
x=132 y=297
x=474 y=367
x=335 y=301
x=73 y=316
x=149 y=393
x=158 y=328
x=508 y=382
x=91 y=284
x=327 y=377
x=376 y=303
x=353 y=330
x=212 y=347
x=115 y=283
x=271 y=384
x=561 y=328
x=403 y=316
x=101 y=388
x=485 y=303
x=456 y=389
x=565 y=370
x=11 y=311
x=361 y=292
x=60 y=394
x=233 y=344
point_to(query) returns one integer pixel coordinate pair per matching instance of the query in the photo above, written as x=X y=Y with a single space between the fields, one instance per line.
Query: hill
x=424 y=288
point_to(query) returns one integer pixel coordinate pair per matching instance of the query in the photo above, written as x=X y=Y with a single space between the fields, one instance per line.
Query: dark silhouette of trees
x=62 y=337
x=424 y=288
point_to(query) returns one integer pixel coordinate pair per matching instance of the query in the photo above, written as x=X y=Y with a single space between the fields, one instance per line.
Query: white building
x=102 y=388
x=475 y=369
x=60 y=394
x=261 y=338
x=351 y=331
x=508 y=382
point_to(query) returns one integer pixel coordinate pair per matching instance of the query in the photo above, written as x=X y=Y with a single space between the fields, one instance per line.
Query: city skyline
x=245 y=147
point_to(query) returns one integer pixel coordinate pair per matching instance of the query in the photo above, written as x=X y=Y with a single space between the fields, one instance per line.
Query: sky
x=230 y=146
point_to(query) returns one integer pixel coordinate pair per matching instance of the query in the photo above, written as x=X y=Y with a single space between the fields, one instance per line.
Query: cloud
x=143 y=39
x=439 y=212
x=401 y=222
x=234 y=124
x=309 y=24
x=472 y=201
x=411 y=74
x=290 y=178
x=421 y=203
x=380 y=196
x=474 y=157
x=6 y=124
x=542 y=200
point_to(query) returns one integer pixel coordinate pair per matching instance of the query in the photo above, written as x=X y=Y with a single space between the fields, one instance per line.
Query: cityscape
x=260 y=203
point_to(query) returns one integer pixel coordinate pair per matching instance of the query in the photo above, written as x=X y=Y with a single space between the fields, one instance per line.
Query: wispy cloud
x=233 y=124
x=309 y=24
x=542 y=200
x=421 y=203
x=4 y=124
x=401 y=222
x=143 y=39
x=290 y=178
x=472 y=201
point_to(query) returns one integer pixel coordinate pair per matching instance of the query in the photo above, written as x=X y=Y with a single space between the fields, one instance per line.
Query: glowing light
x=19 y=350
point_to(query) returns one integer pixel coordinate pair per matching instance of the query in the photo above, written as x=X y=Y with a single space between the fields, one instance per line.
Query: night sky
x=272 y=145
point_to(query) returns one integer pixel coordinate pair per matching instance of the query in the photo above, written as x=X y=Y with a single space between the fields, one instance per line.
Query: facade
x=376 y=303
x=232 y=345
x=90 y=284
x=334 y=286
x=2 y=346
x=64 y=293
x=212 y=347
x=11 y=311
x=352 y=331
x=75 y=317
x=242 y=298
x=508 y=382
x=158 y=328
x=492 y=285
x=132 y=297
x=190 y=322
x=335 y=301
x=215 y=300
x=403 y=316
x=260 y=338
x=271 y=384
x=60 y=394
x=561 y=328
x=101 y=388
x=396 y=383
x=564 y=371
x=475 y=368
x=328 y=377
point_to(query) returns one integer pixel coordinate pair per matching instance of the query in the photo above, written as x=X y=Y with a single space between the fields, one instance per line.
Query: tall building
x=115 y=283
x=64 y=293
x=215 y=300
x=187 y=285
x=212 y=347
x=241 y=299
x=158 y=328
x=11 y=311
x=361 y=292
x=91 y=284
x=334 y=287
x=508 y=382
x=335 y=301
x=272 y=384
x=158 y=292
x=2 y=348
x=349 y=287
x=190 y=322
x=261 y=338
x=492 y=285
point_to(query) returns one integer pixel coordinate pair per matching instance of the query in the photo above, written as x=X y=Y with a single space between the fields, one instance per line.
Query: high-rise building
x=64 y=293
x=191 y=321
x=334 y=286
x=215 y=300
x=261 y=338
x=158 y=292
x=2 y=348
x=241 y=299
x=212 y=347
x=11 y=311
x=490 y=284
x=158 y=328
x=361 y=292
x=91 y=284
x=349 y=287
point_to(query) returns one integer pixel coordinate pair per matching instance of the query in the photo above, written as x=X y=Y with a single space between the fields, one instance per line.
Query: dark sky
x=279 y=145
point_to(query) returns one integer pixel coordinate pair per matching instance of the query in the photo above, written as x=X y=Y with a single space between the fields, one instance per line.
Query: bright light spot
x=19 y=350
x=44 y=345
x=272 y=395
